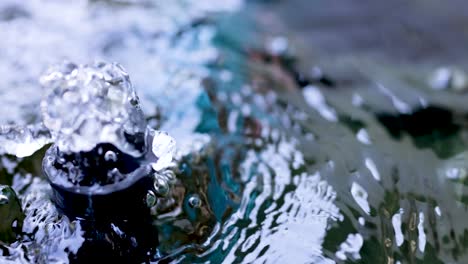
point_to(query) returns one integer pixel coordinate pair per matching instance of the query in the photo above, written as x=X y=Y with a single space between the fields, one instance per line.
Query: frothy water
x=23 y=141
x=273 y=164
x=87 y=105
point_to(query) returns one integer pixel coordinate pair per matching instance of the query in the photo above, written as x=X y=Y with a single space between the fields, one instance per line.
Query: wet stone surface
x=12 y=215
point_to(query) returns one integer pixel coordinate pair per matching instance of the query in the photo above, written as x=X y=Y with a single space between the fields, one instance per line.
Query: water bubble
x=110 y=156
x=194 y=201
x=134 y=100
x=161 y=187
x=150 y=199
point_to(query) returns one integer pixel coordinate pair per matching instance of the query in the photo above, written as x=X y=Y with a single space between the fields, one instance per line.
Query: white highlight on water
x=396 y=222
x=421 y=233
x=363 y=136
x=164 y=148
x=352 y=246
x=361 y=221
x=360 y=196
x=372 y=168
x=401 y=106
x=437 y=211
x=315 y=99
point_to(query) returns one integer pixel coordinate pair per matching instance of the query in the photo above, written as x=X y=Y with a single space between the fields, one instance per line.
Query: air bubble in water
x=161 y=187
x=194 y=201
x=150 y=199
x=110 y=156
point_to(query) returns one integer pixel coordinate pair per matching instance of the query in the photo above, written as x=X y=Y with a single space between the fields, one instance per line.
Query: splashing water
x=23 y=141
x=273 y=163
x=86 y=105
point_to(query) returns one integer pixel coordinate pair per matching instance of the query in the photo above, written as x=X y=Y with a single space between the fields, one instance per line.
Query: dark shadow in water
x=431 y=127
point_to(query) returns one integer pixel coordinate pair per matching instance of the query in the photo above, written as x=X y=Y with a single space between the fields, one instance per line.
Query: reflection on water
x=277 y=164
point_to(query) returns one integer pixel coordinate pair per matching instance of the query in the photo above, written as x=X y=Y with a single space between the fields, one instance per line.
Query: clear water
x=279 y=163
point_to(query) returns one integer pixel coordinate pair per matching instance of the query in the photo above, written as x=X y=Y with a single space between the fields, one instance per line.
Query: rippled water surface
x=293 y=147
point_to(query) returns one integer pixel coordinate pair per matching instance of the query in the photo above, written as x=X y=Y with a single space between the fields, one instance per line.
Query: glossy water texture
x=284 y=156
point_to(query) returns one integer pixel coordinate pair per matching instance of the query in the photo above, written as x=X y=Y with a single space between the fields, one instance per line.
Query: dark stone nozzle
x=107 y=194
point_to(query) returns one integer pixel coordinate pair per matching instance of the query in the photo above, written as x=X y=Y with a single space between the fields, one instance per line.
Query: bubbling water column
x=106 y=165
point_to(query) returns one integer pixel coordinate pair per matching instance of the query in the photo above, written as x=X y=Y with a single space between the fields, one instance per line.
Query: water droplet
x=194 y=201
x=150 y=199
x=110 y=156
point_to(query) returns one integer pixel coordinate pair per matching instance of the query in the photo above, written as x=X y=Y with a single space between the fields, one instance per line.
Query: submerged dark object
x=421 y=122
x=427 y=126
